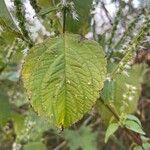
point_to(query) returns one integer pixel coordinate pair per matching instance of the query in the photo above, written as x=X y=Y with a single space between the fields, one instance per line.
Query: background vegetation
x=122 y=29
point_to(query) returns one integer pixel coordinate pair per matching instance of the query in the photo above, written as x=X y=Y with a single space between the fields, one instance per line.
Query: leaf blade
x=63 y=77
x=134 y=126
x=112 y=128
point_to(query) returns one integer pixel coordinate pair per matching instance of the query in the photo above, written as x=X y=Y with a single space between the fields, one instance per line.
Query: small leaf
x=134 y=118
x=134 y=126
x=63 y=77
x=83 y=138
x=107 y=93
x=146 y=146
x=112 y=128
x=18 y=121
x=34 y=146
x=44 y=4
x=137 y=148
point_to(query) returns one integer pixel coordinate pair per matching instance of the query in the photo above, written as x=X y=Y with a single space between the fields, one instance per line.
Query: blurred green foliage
x=22 y=128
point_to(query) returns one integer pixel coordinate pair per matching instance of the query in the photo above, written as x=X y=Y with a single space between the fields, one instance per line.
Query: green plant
x=66 y=75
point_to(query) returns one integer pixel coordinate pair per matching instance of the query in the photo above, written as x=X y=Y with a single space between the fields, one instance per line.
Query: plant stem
x=64 y=19
x=106 y=12
x=135 y=137
x=110 y=109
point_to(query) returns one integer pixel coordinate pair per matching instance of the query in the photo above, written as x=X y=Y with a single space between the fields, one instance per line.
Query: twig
x=97 y=122
x=135 y=137
x=110 y=109
x=60 y=145
x=107 y=13
x=86 y=122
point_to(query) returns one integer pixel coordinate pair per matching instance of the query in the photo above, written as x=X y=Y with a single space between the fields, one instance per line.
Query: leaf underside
x=63 y=77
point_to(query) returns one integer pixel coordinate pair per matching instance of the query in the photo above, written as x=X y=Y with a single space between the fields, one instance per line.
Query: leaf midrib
x=64 y=38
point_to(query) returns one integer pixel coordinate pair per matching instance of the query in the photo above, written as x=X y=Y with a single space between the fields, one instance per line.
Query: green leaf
x=34 y=146
x=9 y=28
x=5 y=17
x=138 y=148
x=79 y=26
x=63 y=77
x=46 y=3
x=112 y=128
x=83 y=138
x=108 y=91
x=124 y=93
x=134 y=118
x=19 y=123
x=146 y=146
x=50 y=21
x=5 y=109
x=134 y=126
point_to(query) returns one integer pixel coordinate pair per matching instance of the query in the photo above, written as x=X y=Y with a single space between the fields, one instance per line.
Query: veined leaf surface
x=63 y=77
